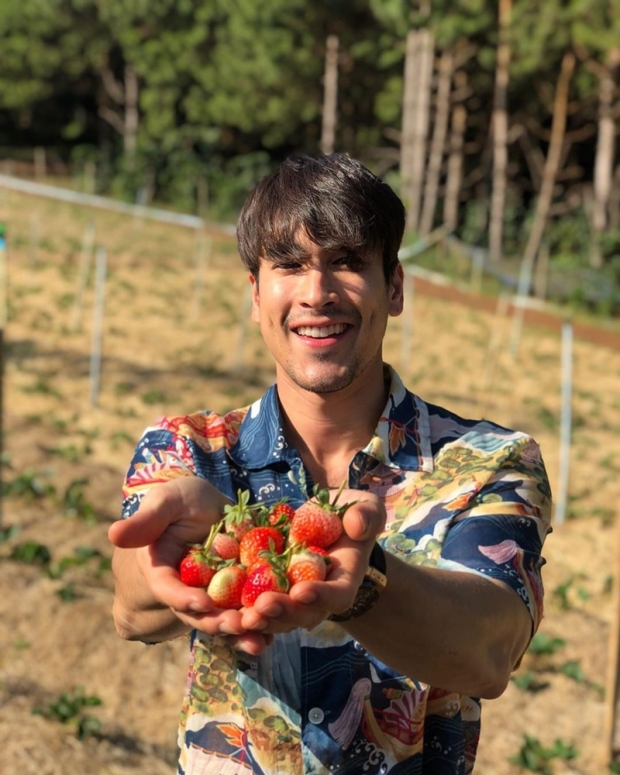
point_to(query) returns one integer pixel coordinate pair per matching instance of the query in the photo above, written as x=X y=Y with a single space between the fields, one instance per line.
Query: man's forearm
x=137 y=614
x=453 y=630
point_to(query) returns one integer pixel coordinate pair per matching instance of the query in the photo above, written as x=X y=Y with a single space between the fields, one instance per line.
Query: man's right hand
x=152 y=603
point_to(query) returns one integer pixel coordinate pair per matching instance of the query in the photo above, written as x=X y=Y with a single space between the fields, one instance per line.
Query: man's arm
x=450 y=629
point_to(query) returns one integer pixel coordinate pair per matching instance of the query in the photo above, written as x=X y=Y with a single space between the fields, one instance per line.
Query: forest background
x=495 y=121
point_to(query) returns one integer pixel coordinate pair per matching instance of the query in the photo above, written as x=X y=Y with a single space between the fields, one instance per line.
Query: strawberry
x=318 y=521
x=259 y=539
x=226 y=585
x=308 y=565
x=240 y=517
x=280 y=514
x=265 y=576
x=197 y=568
x=225 y=546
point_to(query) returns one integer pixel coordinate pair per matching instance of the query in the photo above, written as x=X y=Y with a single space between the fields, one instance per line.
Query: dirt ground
x=175 y=340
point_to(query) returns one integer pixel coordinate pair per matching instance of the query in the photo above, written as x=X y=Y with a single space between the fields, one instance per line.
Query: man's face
x=323 y=317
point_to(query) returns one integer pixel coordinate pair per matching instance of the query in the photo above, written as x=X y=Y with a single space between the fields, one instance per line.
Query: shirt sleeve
x=501 y=530
x=160 y=456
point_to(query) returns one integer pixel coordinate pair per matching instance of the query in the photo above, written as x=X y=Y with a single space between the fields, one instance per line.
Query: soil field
x=175 y=339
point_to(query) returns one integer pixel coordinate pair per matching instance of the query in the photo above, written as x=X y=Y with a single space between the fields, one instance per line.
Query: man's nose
x=318 y=288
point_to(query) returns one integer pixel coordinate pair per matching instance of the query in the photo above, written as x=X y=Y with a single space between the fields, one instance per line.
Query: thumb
x=159 y=508
x=365 y=519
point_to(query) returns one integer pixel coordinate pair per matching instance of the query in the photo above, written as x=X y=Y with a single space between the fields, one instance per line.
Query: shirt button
x=316 y=715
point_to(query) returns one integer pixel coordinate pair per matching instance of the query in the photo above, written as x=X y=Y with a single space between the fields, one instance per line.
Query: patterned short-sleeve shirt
x=460 y=494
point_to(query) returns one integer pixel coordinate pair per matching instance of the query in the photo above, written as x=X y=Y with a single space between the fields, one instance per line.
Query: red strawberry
x=197 y=568
x=225 y=546
x=259 y=539
x=240 y=517
x=226 y=585
x=318 y=521
x=264 y=577
x=281 y=514
x=308 y=565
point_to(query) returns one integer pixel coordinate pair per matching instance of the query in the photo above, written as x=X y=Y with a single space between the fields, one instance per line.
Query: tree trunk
x=455 y=168
x=410 y=95
x=603 y=164
x=330 y=95
x=132 y=116
x=500 y=134
x=442 y=115
x=124 y=116
x=423 y=62
x=552 y=162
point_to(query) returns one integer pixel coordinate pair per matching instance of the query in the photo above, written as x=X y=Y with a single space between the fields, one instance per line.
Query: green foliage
x=82 y=556
x=545 y=644
x=529 y=682
x=534 y=757
x=28 y=484
x=69 y=707
x=74 y=502
x=31 y=553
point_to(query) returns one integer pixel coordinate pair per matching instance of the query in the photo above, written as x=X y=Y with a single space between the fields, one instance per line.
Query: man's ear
x=255 y=316
x=396 y=291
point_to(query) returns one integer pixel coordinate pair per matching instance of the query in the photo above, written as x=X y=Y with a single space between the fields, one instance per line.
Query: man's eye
x=286 y=266
x=350 y=261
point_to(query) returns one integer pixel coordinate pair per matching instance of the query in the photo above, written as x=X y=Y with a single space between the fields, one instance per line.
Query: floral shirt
x=460 y=494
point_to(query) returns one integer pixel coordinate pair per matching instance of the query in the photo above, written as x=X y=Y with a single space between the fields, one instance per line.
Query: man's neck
x=329 y=428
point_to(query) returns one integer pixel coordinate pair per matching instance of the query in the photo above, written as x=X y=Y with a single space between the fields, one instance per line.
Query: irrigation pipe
x=88 y=243
x=203 y=256
x=103 y=203
x=244 y=322
x=407 y=330
x=97 y=333
x=3 y=320
x=565 y=422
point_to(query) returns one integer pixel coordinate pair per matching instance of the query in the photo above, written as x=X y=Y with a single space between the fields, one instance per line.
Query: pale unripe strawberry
x=225 y=546
x=307 y=565
x=225 y=587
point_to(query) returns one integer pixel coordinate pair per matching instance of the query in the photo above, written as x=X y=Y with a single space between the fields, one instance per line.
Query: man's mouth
x=321 y=332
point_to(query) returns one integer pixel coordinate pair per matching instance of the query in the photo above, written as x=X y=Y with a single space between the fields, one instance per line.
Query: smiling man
x=436 y=590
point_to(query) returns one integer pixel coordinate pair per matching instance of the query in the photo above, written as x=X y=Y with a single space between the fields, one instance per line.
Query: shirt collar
x=401 y=440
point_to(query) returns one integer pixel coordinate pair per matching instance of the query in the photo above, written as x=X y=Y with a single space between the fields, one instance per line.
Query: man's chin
x=323 y=384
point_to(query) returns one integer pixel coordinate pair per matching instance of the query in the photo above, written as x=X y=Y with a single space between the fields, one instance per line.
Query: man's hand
x=150 y=545
x=311 y=602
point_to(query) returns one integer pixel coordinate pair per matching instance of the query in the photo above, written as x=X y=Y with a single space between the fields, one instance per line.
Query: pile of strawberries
x=255 y=549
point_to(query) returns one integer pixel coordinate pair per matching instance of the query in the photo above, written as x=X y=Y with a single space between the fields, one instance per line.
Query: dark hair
x=335 y=199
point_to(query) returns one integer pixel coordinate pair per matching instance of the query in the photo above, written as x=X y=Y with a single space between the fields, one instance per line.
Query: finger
x=168 y=589
x=159 y=508
x=364 y=519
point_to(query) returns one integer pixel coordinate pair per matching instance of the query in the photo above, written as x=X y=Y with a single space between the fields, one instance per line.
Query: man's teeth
x=317 y=332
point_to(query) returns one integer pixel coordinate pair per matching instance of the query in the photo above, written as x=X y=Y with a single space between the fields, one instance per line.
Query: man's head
x=334 y=199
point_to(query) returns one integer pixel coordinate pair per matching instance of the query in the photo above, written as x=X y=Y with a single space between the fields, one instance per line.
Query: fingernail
x=226 y=629
x=197 y=608
x=307 y=598
x=272 y=610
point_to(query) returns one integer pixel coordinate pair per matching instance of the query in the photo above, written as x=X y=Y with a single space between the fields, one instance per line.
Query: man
x=436 y=585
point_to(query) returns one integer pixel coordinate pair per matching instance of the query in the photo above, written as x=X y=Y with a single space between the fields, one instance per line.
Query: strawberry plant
x=69 y=707
x=533 y=756
x=75 y=504
x=29 y=484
